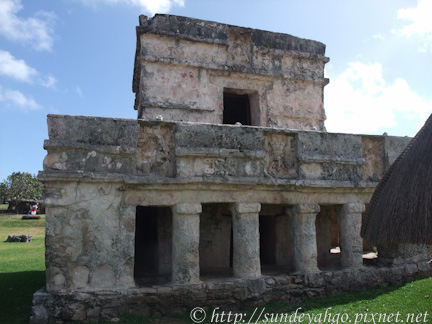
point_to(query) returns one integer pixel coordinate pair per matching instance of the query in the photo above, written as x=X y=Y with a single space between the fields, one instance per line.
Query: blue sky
x=76 y=57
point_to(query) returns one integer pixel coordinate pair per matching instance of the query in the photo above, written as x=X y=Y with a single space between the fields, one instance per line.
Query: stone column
x=246 y=246
x=351 y=243
x=302 y=221
x=185 y=243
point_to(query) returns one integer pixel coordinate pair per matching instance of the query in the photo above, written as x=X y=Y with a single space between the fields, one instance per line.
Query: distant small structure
x=23 y=206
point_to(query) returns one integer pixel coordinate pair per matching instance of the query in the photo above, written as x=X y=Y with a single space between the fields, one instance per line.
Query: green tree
x=21 y=186
x=3 y=192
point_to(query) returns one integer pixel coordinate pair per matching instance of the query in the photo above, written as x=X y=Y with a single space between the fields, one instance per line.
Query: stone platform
x=228 y=294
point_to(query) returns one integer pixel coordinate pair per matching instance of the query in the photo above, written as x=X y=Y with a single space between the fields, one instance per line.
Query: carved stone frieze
x=281 y=158
x=218 y=166
x=239 y=49
x=373 y=154
x=155 y=154
x=341 y=171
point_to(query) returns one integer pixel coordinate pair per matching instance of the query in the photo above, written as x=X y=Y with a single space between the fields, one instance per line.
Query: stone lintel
x=246 y=208
x=187 y=208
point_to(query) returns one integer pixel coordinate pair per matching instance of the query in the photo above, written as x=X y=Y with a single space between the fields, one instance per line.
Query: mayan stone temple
x=226 y=191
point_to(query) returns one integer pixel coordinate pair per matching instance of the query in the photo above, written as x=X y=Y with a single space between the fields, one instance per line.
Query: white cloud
x=48 y=82
x=420 y=23
x=378 y=36
x=36 y=31
x=17 y=99
x=151 y=6
x=15 y=68
x=19 y=70
x=79 y=92
x=359 y=100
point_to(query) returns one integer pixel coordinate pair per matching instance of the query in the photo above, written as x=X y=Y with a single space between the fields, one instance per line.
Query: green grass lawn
x=412 y=301
x=22 y=267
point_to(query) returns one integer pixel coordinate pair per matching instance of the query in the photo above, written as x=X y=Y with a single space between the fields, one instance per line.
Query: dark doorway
x=152 y=245
x=215 y=247
x=236 y=109
x=267 y=231
x=146 y=242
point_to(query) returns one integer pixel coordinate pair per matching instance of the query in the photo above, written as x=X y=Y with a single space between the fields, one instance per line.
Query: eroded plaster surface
x=182 y=72
x=92 y=206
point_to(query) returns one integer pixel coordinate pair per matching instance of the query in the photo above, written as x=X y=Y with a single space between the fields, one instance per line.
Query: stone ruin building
x=226 y=191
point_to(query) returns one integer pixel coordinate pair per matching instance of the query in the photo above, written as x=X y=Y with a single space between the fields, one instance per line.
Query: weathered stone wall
x=183 y=66
x=98 y=170
x=208 y=189
x=91 y=144
x=89 y=237
x=230 y=294
x=81 y=146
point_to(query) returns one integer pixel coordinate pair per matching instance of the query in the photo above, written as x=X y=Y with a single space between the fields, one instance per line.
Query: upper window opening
x=236 y=109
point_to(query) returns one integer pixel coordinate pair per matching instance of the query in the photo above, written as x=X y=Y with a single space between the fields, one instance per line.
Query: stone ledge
x=214 y=32
x=213 y=66
x=51 y=175
x=67 y=145
x=217 y=152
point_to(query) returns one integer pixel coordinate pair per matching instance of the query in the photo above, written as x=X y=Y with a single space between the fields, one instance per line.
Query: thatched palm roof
x=400 y=210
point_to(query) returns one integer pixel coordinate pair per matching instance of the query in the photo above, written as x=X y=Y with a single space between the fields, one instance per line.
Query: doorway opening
x=267 y=230
x=327 y=237
x=153 y=243
x=216 y=241
x=236 y=109
x=276 y=251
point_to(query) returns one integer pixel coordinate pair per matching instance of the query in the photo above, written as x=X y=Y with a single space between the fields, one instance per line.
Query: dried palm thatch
x=401 y=207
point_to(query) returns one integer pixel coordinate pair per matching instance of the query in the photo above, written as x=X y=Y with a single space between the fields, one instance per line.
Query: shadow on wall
x=17 y=290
